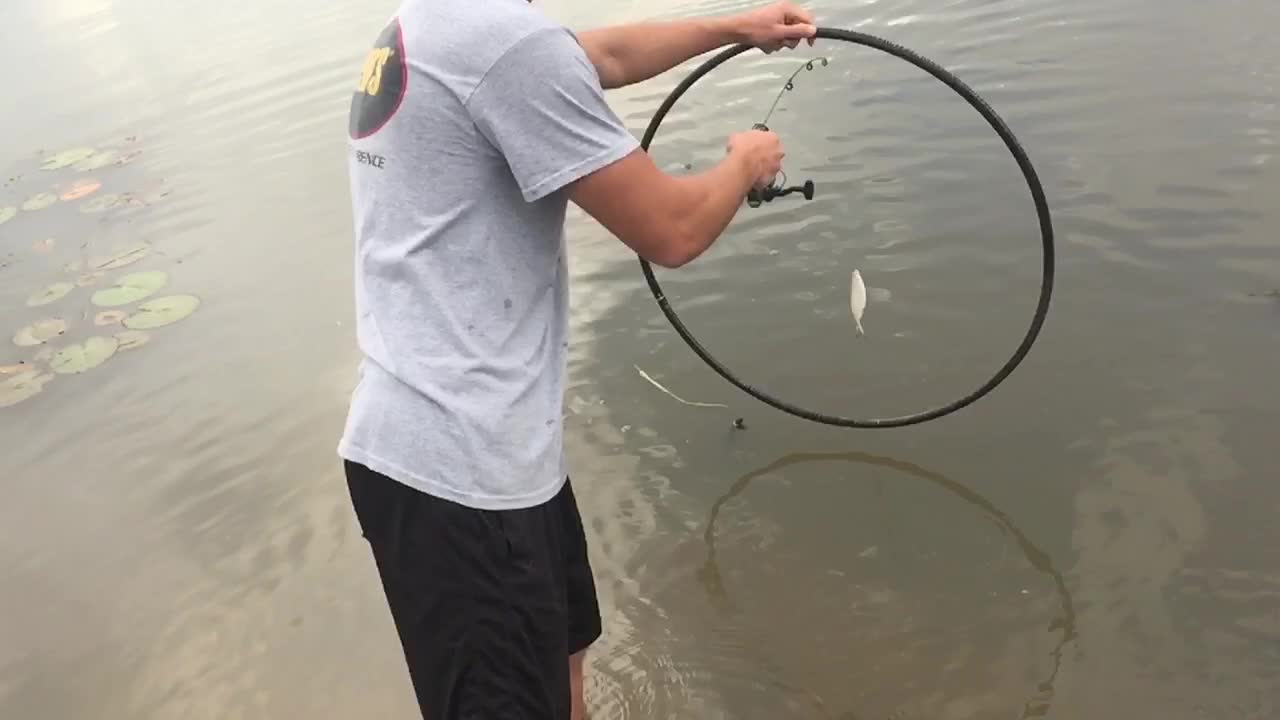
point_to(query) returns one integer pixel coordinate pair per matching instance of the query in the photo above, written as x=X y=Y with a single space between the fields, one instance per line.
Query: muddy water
x=1093 y=540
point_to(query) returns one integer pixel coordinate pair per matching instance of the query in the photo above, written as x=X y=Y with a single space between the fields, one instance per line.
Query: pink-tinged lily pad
x=109 y=317
x=22 y=387
x=80 y=190
x=6 y=370
x=45 y=246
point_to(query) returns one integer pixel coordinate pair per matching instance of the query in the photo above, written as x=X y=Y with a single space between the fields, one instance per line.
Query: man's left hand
x=782 y=24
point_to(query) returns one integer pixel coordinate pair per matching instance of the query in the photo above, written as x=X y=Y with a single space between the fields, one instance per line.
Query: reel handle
x=758 y=196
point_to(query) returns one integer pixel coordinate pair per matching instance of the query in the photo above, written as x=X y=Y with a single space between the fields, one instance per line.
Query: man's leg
x=478 y=600
x=584 y=608
x=576 y=662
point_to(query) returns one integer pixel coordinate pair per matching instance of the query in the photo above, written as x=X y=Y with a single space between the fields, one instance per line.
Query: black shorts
x=489 y=605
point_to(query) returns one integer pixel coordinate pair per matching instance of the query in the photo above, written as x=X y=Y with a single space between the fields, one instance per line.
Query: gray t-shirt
x=469 y=119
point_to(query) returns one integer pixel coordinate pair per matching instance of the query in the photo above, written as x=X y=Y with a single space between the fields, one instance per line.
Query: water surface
x=1095 y=539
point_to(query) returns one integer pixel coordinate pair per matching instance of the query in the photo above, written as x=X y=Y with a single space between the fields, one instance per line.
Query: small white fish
x=858 y=300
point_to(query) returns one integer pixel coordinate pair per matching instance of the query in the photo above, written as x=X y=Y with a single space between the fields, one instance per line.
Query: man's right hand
x=671 y=220
x=762 y=151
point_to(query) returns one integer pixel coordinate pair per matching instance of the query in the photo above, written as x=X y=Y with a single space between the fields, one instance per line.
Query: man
x=473 y=124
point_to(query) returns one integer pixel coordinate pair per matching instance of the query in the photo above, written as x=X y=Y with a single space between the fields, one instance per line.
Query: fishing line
x=768 y=194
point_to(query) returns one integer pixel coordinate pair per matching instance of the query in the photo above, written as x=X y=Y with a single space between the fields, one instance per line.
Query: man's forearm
x=708 y=203
x=628 y=54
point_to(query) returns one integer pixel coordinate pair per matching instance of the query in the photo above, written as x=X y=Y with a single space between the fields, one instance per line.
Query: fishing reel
x=758 y=196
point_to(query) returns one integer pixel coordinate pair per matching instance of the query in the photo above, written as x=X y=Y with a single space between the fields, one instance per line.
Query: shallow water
x=1094 y=539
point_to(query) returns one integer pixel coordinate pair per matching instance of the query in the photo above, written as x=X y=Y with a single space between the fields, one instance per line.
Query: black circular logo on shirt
x=383 y=81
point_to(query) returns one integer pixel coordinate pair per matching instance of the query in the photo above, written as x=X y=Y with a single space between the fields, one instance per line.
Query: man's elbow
x=677 y=249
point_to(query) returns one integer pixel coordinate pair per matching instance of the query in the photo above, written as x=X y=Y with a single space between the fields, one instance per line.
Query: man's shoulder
x=476 y=33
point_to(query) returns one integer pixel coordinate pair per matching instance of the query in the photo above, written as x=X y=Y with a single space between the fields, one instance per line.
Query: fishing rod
x=776 y=190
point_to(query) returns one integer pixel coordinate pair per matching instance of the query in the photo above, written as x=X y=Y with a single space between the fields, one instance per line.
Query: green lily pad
x=53 y=293
x=162 y=311
x=40 y=201
x=84 y=356
x=22 y=387
x=7 y=214
x=97 y=161
x=67 y=158
x=39 y=332
x=130 y=339
x=131 y=288
x=102 y=203
x=121 y=259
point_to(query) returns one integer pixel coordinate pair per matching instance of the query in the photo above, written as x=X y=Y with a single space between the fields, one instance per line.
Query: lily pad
x=121 y=259
x=131 y=202
x=81 y=357
x=102 y=203
x=39 y=201
x=7 y=214
x=81 y=189
x=109 y=317
x=131 y=288
x=90 y=278
x=129 y=205
x=44 y=246
x=53 y=293
x=97 y=161
x=162 y=311
x=127 y=158
x=22 y=387
x=67 y=158
x=130 y=339
x=39 y=332
x=14 y=369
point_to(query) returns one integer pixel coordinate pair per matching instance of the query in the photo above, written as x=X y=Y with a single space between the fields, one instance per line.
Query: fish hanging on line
x=858 y=300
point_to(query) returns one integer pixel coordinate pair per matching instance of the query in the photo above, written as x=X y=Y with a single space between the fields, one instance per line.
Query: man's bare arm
x=628 y=54
x=670 y=220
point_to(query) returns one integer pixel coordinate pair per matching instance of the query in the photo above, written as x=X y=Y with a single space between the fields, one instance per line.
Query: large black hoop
x=1019 y=154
